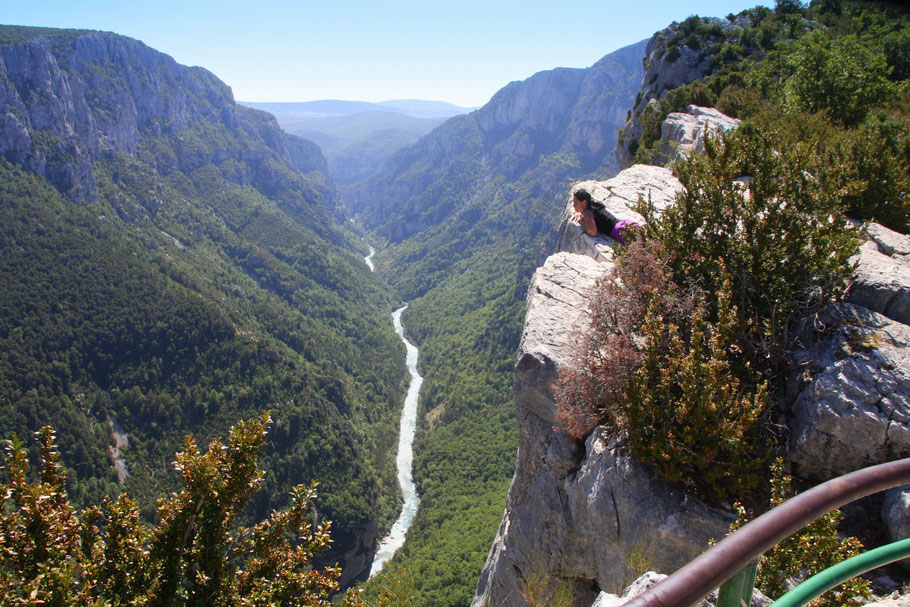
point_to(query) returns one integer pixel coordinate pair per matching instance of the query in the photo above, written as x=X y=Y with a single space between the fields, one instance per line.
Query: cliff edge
x=584 y=512
x=592 y=515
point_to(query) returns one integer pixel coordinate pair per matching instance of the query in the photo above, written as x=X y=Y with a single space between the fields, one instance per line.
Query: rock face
x=669 y=63
x=855 y=410
x=683 y=133
x=67 y=99
x=580 y=511
x=895 y=511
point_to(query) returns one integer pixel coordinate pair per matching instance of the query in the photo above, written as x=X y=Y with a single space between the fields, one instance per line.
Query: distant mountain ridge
x=51 y=87
x=565 y=119
x=418 y=108
x=358 y=137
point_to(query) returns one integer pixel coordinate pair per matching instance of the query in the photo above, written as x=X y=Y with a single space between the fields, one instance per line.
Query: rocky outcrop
x=591 y=513
x=619 y=196
x=683 y=133
x=70 y=98
x=854 y=410
x=882 y=276
x=580 y=511
x=669 y=62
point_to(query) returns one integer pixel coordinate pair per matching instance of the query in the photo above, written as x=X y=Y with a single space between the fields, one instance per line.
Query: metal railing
x=837 y=574
x=695 y=580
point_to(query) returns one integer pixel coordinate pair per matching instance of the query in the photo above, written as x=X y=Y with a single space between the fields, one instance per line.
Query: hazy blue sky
x=458 y=51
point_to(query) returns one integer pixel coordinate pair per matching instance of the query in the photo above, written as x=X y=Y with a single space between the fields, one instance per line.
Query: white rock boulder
x=619 y=195
x=650 y=579
x=684 y=133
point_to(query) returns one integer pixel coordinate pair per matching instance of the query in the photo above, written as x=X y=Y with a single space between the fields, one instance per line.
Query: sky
x=442 y=50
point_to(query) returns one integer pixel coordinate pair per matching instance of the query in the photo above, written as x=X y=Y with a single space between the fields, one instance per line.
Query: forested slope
x=171 y=263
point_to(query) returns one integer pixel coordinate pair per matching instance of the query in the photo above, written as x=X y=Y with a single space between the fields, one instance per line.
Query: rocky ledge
x=591 y=514
x=683 y=133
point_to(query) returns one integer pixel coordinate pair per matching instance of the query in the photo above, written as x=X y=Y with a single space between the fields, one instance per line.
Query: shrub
x=691 y=328
x=689 y=412
x=842 y=76
x=50 y=554
x=875 y=176
x=767 y=215
x=786 y=7
x=655 y=366
x=594 y=391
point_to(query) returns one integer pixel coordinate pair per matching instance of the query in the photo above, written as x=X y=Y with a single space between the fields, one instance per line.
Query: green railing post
x=737 y=591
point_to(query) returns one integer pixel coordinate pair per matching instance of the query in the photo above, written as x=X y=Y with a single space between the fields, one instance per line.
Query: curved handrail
x=825 y=580
x=692 y=582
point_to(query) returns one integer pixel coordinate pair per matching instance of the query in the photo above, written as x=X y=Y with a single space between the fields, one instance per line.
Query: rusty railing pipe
x=695 y=580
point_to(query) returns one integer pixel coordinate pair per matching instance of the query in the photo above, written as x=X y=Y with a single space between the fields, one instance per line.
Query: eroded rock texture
x=590 y=513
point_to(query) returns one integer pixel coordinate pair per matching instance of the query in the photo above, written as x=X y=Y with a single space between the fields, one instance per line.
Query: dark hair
x=585 y=196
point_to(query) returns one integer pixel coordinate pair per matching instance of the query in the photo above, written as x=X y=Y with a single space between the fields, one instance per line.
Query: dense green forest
x=208 y=281
x=466 y=277
x=209 y=278
x=166 y=338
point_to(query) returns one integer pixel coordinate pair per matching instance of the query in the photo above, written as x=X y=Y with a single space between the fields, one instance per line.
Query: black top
x=604 y=220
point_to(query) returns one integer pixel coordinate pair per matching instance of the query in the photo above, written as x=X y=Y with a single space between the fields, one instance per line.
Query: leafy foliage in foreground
x=53 y=554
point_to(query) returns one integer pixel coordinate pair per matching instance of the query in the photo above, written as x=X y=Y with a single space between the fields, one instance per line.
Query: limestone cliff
x=592 y=514
x=579 y=512
x=69 y=97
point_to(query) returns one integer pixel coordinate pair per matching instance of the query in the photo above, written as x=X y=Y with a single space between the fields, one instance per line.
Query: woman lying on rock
x=594 y=218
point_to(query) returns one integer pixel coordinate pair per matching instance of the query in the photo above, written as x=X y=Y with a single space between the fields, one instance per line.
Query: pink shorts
x=620 y=227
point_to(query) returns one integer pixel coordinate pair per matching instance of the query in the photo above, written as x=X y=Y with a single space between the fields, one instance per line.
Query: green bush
x=52 y=554
x=842 y=76
x=768 y=215
x=876 y=174
x=687 y=411
x=691 y=328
